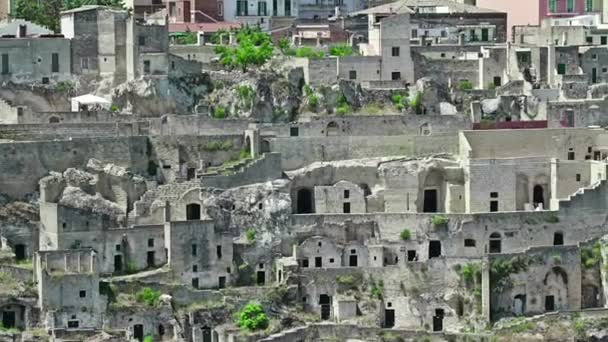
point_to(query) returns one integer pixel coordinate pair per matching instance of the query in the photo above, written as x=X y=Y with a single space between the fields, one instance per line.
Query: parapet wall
x=72 y=130
x=266 y=168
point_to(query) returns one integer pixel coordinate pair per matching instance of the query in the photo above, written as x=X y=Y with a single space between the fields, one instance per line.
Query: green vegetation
x=391 y=337
x=557 y=258
x=341 y=50
x=377 y=290
x=552 y=219
x=218 y=145
x=148 y=338
x=284 y=44
x=250 y=234
x=254 y=48
x=308 y=52
x=114 y=108
x=522 y=327
x=186 y=38
x=400 y=101
x=343 y=106
x=47 y=13
x=349 y=281
x=66 y=87
x=465 y=85
x=216 y=38
x=470 y=273
x=245 y=95
x=591 y=256
x=308 y=90
x=252 y=317
x=313 y=102
x=406 y=234
x=131 y=267
x=220 y=112
x=148 y=296
x=439 y=221
x=416 y=103
x=501 y=270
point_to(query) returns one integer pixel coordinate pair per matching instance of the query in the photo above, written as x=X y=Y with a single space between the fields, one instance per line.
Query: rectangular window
x=589 y=5
x=262 y=8
x=117 y=247
x=570 y=7
x=494 y=194
x=552 y=6
x=304 y=263
x=589 y=39
x=141 y=40
x=346 y=193
x=294 y=131
x=395 y=51
x=5 y=69
x=220 y=9
x=288 y=8
x=352 y=75
x=241 y=8
x=146 y=67
x=414 y=33
x=55 y=62
x=319 y=262
x=469 y=243
x=604 y=40
x=571 y=155
x=493 y=206
x=194 y=247
x=275 y=8
x=84 y=63
x=194 y=268
x=150 y=242
x=395 y=76
x=578 y=177
x=218 y=251
x=561 y=69
x=83 y=294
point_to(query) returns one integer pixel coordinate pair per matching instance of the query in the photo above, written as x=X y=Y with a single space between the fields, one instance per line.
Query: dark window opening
x=578 y=177
x=82 y=294
x=430 y=201
x=74 y=324
x=346 y=194
x=493 y=194
x=221 y=282
x=493 y=206
x=8 y=319
x=411 y=255
x=352 y=261
x=294 y=131
x=20 y=252
x=147 y=67
x=549 y=303
x=55 y=62
x=346 y=208
x=138 y=332
x=558 y=239
x=325 y=302
x=150 y=256
x=304 y=202
x=395 y=51
x=495 y=243
x=261 y=278
x=190 y=173
x=5 y=68
x=117 y=263
x=218 y=251
x=194 y=249
x=538 y=196
x=193 y=211
x=352 y=75
x=389 y=318
x=395 y=75
x=304 y=263
x=141 y=40
x=318 y=261
x=434 y=249
x=438 y=320
x=469 y=243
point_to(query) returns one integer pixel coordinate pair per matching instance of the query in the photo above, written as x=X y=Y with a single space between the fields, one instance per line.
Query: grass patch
x=439 y=220
x=148 y=296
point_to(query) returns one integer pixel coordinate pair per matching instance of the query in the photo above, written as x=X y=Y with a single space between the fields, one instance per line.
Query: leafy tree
x=47 y=13
x=254 y=48
x=341 y=50
x=252 y=317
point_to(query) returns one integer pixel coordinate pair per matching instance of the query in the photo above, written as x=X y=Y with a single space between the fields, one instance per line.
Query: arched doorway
x=556 y=289
x=265 y=146
x=538 y=196
x=519 y=304
x=193 y=211
x=332 y=129
x=304 y=202
x=495 y=243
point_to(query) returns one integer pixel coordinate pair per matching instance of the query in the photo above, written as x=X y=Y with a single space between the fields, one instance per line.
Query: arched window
x=495 y=243
x=193 y=211
x=539 y=196
x=332 y=129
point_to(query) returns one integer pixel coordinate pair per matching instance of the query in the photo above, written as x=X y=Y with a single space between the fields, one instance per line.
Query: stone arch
x=193 y=211
x=332 y=129
x=540 y=191
x=495 y=243
x=556 y=289
x=53 y=120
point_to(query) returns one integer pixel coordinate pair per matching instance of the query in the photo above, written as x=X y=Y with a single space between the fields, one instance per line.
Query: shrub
x=220 y=112
x=591 y=256
x=254 y=48
x=416 y=103
x=186 y=38
x=313 y=101
x=465 y=85
x=148 y=338
x=378 y=290
x=148 y=296
x=308 y=90
x=284 y=44
x=250 y=234
x=114 y=108
x=252 y=317
x=64 y=87
x=556 y=258
x=439 y=220
x=406 y=234
x=470 y=272
x=341 y=50
x=308 y=52
x=131 y=267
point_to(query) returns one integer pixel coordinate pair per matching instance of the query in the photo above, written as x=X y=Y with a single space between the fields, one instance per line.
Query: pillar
x=167 y=211
x=551 y=64
x=485 y=289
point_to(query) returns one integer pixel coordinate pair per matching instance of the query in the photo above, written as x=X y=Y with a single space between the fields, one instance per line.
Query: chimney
x=22 y=31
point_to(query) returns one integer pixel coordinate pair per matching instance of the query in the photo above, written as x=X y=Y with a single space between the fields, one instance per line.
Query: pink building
x=568 y=8
x=519 y=12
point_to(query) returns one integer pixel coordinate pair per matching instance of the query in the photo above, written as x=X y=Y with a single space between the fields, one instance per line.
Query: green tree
x=47 y=13
x=254 y=48
x=252 y=317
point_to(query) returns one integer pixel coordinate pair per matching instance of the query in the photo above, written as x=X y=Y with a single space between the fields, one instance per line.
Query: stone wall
x=445 y=71
x=72 y=130
x=263 y=169
x=30 y=59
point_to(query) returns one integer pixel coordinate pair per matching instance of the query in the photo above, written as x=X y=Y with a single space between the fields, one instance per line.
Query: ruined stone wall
x=22 y=164
x=266 y=168
x=317 y=71
x=445 y=72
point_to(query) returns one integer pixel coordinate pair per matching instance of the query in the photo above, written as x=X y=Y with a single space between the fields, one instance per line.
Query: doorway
x=20 y=252
x=221 y=282
x=438 y=320
x=138 y=332
x=304 y=202
x=594 y=75
x=8 y=319
x=191 y=173
x=261 y=278
x=430 y=201
x=325 y=303
x=352 y=261
x=549 y=303
x=117 y=263
x=389 y=318
x=558 y=239
x=539 y=196
x=206 y=334
x=519 y=304
x=150 y=259
x=434 y=249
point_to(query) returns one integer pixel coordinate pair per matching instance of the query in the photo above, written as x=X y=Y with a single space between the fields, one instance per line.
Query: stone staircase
x=588 y=197
x=168 y=192
x=244 y=172
x=286 y=335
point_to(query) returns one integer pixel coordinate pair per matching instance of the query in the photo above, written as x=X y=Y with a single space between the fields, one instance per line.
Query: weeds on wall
x=341 y=50
x=439 y=221
x=220 y=112
x=465 y=85
x=343 y=106
x=250 y=234
x=501 y=270
x=148 y=296
x=591 y=256
x=405 y=235
x=218 y=145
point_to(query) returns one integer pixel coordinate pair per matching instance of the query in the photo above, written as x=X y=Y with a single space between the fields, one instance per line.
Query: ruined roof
x=410 y=6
